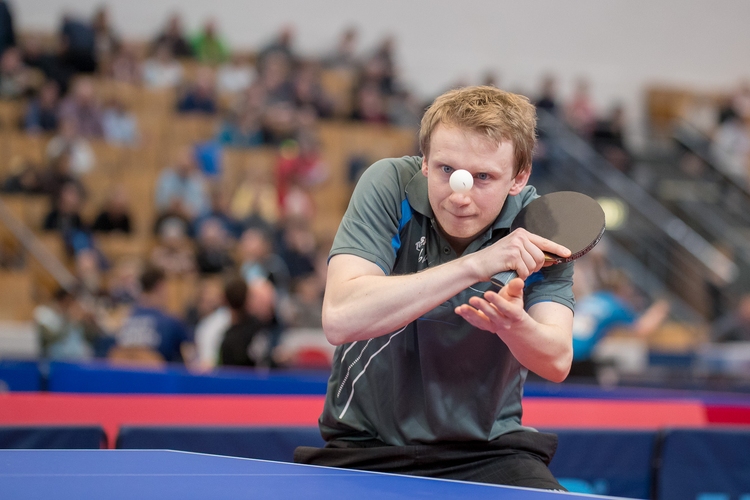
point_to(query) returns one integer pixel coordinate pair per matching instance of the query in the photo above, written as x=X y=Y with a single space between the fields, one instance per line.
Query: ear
x=519 y=182
x=424 y=166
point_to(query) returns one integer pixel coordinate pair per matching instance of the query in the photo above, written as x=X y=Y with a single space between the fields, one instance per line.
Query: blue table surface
x=161 y=474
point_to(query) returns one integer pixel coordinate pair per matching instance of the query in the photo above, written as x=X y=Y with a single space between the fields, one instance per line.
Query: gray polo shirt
x=437 y=379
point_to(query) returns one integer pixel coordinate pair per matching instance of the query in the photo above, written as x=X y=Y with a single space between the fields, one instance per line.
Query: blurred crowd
x=257 y=266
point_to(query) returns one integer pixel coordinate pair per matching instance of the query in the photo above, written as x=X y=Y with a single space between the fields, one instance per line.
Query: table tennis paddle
x=571 y=219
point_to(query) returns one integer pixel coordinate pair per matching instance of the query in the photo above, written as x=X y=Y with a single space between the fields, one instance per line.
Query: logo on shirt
x=421 y=244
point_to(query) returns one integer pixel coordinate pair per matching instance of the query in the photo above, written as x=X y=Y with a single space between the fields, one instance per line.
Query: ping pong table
x=164 y=475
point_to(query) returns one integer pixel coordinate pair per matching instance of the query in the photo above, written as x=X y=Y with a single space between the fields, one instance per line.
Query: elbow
x=335 y=334
x=561 y=367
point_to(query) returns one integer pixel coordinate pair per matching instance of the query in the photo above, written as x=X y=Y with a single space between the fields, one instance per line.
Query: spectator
x=106 y=41
x=115 y=214
x=344 y=55
x=7 y=31
x=65 y=215
x=303 y=307
x=597 y=314
x=51 y=62
x=149 y=326
x=579 y=111
x=200 y=97
x=255 y=201
x=299 y=164
x=41 y=113
x=279 y=123
x=120 y=125
x=57 y=174
x=162 y=70
x=548 y=97
x=733 y=326
x=298 y=246
x=608 y=138
x=282 y=46
x=214 y=319
x=369 y=105
x=24 y=178
x=126 y=65
x=208 y=46
x=16 y=80
x=238 y=338
x=309 y=93
x=80 y=155
x=68 y=331
x=82 y=107
x=731 y=147
x=213 y=248
x=236 y=75
x=180 y=189
x=123 y=286
x=276 y=78
x=78 y=42
x=219 y=211
x=173 y=38
x=174 y=252
x=242 y=131
x=259 y=261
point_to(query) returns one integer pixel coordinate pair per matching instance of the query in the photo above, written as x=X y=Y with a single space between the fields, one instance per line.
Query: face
x=463 y=216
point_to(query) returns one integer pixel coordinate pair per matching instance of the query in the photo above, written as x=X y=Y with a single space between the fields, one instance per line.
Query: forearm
x=542 y=341
x=371 y=305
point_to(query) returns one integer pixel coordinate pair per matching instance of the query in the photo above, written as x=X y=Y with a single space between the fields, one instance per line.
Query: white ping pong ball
x=461 y=181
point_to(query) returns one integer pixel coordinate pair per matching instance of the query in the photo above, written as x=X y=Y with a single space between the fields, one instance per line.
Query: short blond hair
x=494 y=113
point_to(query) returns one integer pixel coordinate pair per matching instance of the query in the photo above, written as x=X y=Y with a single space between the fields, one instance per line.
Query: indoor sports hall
x=173 y=177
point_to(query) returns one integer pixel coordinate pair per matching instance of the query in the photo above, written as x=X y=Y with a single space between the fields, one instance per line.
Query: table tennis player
x=430 y=365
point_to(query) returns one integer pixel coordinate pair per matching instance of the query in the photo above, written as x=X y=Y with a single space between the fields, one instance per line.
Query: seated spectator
x=16 y=79
x=309 y=93
x=404 y=109
x=236 y=75
x=242 y=131
x=106 y=42
x=162 y=70
x=259 y=261
x=78 y=39
x=344 y=55
x=180 y=189
x=548 y=96
x=200 y=96
x=68 y=330
x=49 y=61
x=123 y=287
x=115 y=214
x=65 y=215
x=579 y=111
x=303 y=307
x=68 y=138
x=608 y=138
x=279 y=123
x=58 y=173
x=82 y=107
x=276 y=79
x=213 y=255
x=208 y=46
x=219 y=210
x=298 y=246
x=238 y=338
x=174 y=251
x=149 y=326
x=173 y=38
x=299 y=164
x=213 y=319
x=126 y=65
x=369 y=106
x=281 y=45
x=41 y=113
x=120 y=125
x=88 y=267
x=600 y=312
x=731 y=147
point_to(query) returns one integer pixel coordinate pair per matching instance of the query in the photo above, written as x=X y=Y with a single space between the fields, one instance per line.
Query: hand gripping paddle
x=570 y=219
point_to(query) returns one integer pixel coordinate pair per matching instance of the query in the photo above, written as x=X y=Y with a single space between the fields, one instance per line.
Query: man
x=429 y=372
x=149 y=326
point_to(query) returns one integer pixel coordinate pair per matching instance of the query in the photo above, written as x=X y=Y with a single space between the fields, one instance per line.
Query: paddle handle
x=502 y=279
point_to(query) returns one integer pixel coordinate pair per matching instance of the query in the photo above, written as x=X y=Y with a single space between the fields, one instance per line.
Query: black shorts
x=514 y=459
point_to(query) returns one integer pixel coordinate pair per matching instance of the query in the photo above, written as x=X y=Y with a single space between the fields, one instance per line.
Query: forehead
x=468 y=149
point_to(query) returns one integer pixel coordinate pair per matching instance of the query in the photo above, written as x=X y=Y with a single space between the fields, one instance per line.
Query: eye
x=483 y=176
x=447 y=169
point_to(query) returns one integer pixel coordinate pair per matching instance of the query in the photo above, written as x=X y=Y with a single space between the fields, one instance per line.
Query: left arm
x=541 y=340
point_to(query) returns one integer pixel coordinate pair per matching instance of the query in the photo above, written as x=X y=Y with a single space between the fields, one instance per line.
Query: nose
x=460 y=199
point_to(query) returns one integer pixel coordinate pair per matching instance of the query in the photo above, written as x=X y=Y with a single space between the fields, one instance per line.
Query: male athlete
x=431 y=360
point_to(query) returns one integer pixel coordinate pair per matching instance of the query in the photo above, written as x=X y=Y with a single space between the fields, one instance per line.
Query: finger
x=549 y=246
x=474 y=317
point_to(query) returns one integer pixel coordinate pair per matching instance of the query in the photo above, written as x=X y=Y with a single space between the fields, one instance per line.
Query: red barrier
x=112 y=411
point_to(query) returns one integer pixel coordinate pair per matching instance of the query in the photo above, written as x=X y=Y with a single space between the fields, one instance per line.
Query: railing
x=659 y=250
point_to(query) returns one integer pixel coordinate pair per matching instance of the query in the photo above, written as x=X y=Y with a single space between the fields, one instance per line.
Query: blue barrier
x=52 y=437
x=100 y=377
x=20 y=375
x=267 y=443
x=705 y=464
x=605 y=462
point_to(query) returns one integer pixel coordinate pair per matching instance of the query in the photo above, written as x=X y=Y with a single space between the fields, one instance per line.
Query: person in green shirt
x=208 y=46
x=431 y=360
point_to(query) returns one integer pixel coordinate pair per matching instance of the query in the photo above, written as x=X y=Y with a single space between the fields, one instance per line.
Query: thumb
x=514 y=288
